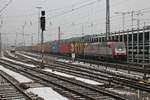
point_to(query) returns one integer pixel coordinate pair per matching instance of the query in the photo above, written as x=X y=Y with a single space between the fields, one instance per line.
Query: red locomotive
x=106 y=50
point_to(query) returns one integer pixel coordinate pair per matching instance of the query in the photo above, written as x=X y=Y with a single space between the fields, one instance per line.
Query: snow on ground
x=18 y=62
x=122 y=92
x=133 y=74
x=89 y=65
x=62 y=74
x=75 y=77
x=80 y=63
x=136 y=76
x=47 y=93
x=63 y=60
x=33 y=58
x=10 y=54
x=19 y=77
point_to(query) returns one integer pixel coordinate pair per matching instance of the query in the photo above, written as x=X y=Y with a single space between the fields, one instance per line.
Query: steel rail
x=46 y=73
x=119 y=65
x=118 y=79
x=14 y=85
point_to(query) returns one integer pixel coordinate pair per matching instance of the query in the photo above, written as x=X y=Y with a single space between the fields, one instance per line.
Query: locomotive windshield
x=121 y=46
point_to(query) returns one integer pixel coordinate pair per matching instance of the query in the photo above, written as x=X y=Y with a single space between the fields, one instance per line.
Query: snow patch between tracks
x=75 y=77
x=18 y=62
x=20 y=78
x=10 y=54
x=122 y=92
x=47 y=93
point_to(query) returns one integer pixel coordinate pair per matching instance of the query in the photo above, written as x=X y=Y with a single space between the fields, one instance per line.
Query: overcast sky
x=73 y=16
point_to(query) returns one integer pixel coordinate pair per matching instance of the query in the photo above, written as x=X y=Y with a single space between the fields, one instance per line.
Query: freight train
x=98 y=50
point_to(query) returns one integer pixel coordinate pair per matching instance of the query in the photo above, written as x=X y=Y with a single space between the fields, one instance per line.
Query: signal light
x=42 y=20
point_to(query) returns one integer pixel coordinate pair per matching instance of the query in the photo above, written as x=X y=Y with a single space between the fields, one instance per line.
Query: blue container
x=55 y=47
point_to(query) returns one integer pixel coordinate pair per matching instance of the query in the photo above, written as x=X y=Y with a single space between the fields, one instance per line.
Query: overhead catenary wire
x=5 y=6
x=59 y=14
x=32 y=14
x=96 y=22
x=83 y=20
x=71 y=10
x=83 y=17
x=53 y=10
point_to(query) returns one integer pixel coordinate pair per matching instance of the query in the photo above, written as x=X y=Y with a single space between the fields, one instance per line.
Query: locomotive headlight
x=120 y=49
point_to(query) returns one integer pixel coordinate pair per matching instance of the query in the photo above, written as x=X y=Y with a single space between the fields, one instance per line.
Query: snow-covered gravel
x=18 y=62
x=47 y=93
x=121 y=72
x=75 y=77
x=122 y=92
x=17 y=76
x=10 y=54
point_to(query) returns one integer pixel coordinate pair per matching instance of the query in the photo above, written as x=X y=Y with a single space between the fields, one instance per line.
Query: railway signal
x=42 y=24
x=42 y=20
x=39 y=10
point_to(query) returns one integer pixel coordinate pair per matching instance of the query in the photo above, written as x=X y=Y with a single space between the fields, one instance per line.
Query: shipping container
x=65 y=48
x=55 y=48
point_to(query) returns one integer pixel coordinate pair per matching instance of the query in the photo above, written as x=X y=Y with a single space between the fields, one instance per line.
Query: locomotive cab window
x=120 y=47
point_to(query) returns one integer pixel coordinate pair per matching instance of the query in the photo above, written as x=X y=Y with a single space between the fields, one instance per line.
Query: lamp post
x=107 y=20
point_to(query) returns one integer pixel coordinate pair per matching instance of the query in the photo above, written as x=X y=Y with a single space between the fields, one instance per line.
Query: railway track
x=79 y=90
x=99 y=75
x=120 y=65
x=10 y=90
